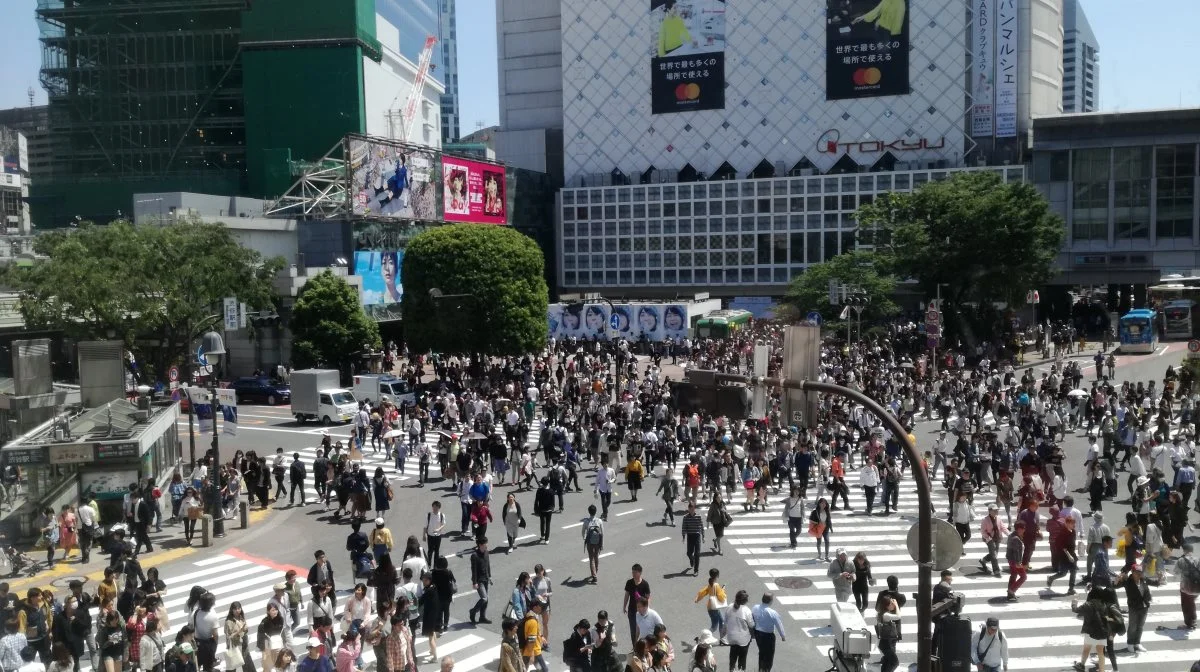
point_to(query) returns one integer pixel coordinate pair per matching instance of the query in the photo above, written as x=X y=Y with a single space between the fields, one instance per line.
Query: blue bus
x=1138 y=331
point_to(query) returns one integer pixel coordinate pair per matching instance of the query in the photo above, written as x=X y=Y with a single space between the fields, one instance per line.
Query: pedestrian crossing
x=371 y=459
x=233 y=576
x=1042 y=630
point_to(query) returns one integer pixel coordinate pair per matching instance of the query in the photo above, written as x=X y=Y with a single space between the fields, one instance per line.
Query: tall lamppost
x=213 y=347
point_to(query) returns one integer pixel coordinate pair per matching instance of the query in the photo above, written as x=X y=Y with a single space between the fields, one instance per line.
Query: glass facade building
x=725 y=236
x=416 y=19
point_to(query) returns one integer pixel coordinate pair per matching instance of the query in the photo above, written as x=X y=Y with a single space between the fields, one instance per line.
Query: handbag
x=233 y=658
x=275 y=642
x=748 y=484
x=195 y=512
x=886 y=630
x=816 y=529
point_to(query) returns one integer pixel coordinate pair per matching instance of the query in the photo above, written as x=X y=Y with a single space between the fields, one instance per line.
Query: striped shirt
x=693 y=524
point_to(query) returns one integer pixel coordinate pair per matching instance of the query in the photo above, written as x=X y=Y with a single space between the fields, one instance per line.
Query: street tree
x=156 y=288
x=329 y=327
x=859 y=269
x=981 y=239
x=494 y=294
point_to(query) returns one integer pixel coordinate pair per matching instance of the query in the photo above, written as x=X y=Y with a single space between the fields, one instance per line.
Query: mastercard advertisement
x=866 y=49
x=687 y=55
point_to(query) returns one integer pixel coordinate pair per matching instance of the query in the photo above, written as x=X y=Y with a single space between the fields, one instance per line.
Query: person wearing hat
x=989 y=647
x=283 y=603
x=1137 y=605
x=841 y=573
x=577 y=650
x=994 y=532
x=381 y=539
x=531 y=636
x=703 y=658
x=316 y=660
x=183 y=660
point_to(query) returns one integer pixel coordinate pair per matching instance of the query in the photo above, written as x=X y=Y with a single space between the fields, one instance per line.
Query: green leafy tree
x=329 y=327
x=980 y=238
x=494 y=291
x=860 y=269
x=154 y=287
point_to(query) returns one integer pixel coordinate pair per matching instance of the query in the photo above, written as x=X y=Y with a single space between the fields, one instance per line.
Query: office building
x=34 y=123
x=449 y=44
x=1081 y=61
x=723 y=147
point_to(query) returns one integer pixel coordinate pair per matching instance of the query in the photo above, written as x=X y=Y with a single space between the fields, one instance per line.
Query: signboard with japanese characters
x=73 y=453
x=1007 y=36
x=983 y=70
x=866 y=49
x=687 y=61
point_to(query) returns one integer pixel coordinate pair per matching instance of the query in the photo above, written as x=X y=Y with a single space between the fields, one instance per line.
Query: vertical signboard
x=229 y=412
x=983 y=72
x=866 y=48
x=232 y=321
x=687 y=62
x=473 y=191
x=1007 y=36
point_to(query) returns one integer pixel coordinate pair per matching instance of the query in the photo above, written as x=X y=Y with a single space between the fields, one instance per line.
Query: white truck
x=317 y=395
x=376 y=388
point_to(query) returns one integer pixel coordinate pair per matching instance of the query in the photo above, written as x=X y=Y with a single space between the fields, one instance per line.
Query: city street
x=1041 y=629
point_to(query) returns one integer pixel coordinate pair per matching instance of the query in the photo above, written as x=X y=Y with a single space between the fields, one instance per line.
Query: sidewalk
x=169 y=546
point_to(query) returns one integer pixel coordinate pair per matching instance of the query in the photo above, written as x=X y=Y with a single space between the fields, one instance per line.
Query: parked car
x=262 y=389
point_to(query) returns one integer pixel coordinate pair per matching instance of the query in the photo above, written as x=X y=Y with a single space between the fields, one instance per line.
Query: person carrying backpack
x=989 y=647
x=593 y=540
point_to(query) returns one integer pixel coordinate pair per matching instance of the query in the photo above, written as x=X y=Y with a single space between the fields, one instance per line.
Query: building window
x=1175 y=168
x=1132 y=169
x=797 y=255
x=1092 y=170
x=1051 y=167
x=812 y=245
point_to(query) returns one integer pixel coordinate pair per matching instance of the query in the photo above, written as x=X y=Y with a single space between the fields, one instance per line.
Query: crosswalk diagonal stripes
x=1042 y=629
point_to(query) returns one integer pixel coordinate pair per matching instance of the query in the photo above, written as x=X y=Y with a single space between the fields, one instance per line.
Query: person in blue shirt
x=766 y=624
x=315 y=661
x=480 y=491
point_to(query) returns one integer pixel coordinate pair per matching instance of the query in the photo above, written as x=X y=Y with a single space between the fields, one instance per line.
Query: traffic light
x=701 y=394
x=857 y=298
x=734 y=401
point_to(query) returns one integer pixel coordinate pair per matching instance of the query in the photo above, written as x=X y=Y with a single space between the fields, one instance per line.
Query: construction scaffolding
x=144 y=89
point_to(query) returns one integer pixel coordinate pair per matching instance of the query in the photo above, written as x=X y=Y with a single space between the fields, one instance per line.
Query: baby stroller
x=20 y=562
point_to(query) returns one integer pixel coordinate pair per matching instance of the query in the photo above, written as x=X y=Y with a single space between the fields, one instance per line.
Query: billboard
x=687 y=61
x=473 y=191
x=1007 y=26
x=380 y=273
x=392 y=180
x=15 y=152
x=983 y=69
x=866 y=48
x=631 y=321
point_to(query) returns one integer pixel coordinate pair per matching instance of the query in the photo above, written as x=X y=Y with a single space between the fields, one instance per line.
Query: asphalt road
x=1043 y=633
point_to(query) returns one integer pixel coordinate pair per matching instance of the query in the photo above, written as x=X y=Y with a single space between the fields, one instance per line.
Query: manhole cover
x=793 y=582
x=65 y=581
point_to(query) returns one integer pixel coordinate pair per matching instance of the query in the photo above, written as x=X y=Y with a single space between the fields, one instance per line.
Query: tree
x=860 y=269
x=495 y=294
x=154 y=287
x=981 y=239
x=329 y=327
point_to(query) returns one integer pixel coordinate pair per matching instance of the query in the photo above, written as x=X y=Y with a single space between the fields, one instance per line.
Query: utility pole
x=712 y=380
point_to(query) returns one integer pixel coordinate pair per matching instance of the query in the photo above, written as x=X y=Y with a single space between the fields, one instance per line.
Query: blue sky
x=1143 y=55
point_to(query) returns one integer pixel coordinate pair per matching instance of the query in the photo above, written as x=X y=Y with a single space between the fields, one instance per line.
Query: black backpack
x=594 y=534
x=522 y=640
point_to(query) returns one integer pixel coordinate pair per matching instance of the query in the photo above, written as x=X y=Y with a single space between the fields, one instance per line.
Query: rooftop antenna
x=29 y=92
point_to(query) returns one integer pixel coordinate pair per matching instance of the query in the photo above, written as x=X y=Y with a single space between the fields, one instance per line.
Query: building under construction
x=143 y=91
x=211 y=96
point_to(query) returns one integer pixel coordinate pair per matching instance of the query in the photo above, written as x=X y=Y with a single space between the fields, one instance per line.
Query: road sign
x=200 y=358
x=931 y=342
x=232 y=320
x=932 y=329
x=797 y=417
x=932 y=317
x=813 y=317
x=173 y=374
x=947 y=545
x=835 y=293
x=1193 y=345
x=614 y=321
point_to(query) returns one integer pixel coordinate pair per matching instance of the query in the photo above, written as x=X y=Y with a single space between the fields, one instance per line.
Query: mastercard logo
x=867 y=76
x=687 y=92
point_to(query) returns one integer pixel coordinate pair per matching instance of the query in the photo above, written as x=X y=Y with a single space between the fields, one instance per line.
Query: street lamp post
x=213 y=347
x=925 y=560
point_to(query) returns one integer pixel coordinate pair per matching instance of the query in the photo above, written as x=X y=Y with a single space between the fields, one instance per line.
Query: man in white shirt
x=435 y=526
x=87 y=523
x=605 y=476
x=989 y=648
x=646 y=618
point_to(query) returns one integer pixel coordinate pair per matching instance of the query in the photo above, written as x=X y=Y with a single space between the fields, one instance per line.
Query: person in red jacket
x=1062 y=548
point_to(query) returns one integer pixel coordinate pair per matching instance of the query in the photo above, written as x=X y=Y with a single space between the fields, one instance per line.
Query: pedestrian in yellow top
x=888 y=15
x=672 y=32
x=534 y=641
x=381 y=539
x=714 y=601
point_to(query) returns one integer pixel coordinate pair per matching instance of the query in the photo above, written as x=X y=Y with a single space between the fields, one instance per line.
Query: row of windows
x=794 y=204
x=875 y=182
x=637 y=228
x=682 y=276
x=764 y=249
x=1115 y=163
